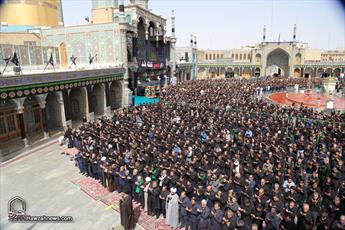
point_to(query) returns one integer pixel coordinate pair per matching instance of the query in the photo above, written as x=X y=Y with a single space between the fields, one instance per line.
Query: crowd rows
x=223 y=157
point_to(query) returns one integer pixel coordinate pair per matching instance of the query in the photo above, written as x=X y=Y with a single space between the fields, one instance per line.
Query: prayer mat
x=91 y=187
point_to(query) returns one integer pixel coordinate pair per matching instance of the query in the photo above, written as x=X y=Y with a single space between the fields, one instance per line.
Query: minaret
x=121 y=7
x=294 y=33
x=264 y=34
x=172 y=47
x=142 y=3
x=60 y=14
x=191 y=40
x=195 y=43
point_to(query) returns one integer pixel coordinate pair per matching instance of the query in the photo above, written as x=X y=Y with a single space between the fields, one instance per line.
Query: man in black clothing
x=127 y=213
x=153 y=196
x=305 y=218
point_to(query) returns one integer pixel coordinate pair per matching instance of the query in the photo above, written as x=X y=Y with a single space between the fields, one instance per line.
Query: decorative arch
x=78 y=103
x=297 y=72
x=115 y=94
x=336 y=72
x=63 y=55
x=53 y=112
x=97 y=99
x=141 y=38
x=246 y=72
x=329 y=72
x=320 y=72
x=236 y=72
x=32 y=115
x=298 y=59
x=308 y=72
x=9 y=127
x=258 y=58
x=152 y=29
x=278 y=62
x=257 y=72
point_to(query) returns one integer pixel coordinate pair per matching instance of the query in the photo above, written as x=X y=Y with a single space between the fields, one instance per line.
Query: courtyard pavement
x=43 y=179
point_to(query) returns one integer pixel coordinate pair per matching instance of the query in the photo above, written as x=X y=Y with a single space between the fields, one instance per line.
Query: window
x=236 y=57
x=232 y=55
x=221 y=56
x=244 y=56
x=2 y=125
x=214 y=56
x=151 y=31
x=217 y=56
x=37 y=115
x=206 y=57
x=240 y=56
x=75 y=106
x=11 y=122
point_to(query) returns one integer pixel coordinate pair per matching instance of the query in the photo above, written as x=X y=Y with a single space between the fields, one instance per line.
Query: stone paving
x=50 y=184
x=43 y=180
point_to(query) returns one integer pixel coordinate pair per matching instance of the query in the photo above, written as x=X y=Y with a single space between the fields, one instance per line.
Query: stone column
x=146 y=26
x=107 y=110
x=60 y=99
x=126 y=93
x=44 y=119
x=20 y=116
x=66 y=108
x=302 y=72
x=172 y=47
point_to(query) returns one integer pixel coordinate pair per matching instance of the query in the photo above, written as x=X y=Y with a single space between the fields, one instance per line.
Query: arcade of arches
x=228 y=72
x=307 y=72
x=209 y=72
x=41 y=115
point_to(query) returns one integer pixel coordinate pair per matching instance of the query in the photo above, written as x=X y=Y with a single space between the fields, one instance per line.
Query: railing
x=43 y=77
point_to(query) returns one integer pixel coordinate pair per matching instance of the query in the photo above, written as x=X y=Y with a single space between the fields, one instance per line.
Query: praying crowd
x=212 y=154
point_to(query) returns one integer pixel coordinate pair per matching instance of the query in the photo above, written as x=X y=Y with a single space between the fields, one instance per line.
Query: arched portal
x=222 y=72
x=246 y=72
x=115 y=94
x=236 y=72
x=278 y=62
x=53 y=112
x=78 y=103
x=9 y=125
x=141 y=40
x=320 y=72
x=63 y=55
x=213 y=72
x=336 y=72
x=258 y=59
x=257 y=72
x=229 y=73
x=97 y=99
x=32 y=116
x=298 y=59
x=297 y=72
x=329 y=72
x=308 y=72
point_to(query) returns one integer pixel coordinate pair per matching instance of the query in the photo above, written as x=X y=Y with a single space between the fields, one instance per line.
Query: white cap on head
x=103 y=158
x=110 y=146
x=174 y=190
x=236 y=162
x=148 y=179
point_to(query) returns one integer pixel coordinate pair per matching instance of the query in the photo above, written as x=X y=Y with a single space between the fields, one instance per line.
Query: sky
x=226 y=24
